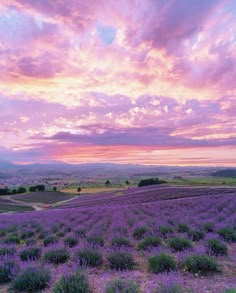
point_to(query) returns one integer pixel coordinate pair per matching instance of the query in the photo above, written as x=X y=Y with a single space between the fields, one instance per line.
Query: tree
x=79 y=189
x=127 y=182
x=40 y=187
x=150 y=181
x=32 y=189
x=4 y=191
x=54 y=188
x=21 y=190
x=107 y=183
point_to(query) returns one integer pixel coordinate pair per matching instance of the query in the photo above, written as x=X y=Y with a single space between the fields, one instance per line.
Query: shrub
x=55 y=229
x=12 y=239
x=170 y=288
x=166 y=230
x=60 y=234
x=8 y=270
x=152 y=241
x=30 y=242
x=179 y=244
x=120 y=241
x=121 y=229
x=71 y=241
x=122 y=286
x=182 y=228
x=3 y=232
x=89 y=257
x=67 y=229
x=32 y=279
x=27 y=234
x=139 y=232
x=81 y=232
x=228 y=234
x=77 y=283
x=121 y=261
x=32 y=253
x=12 y=229
x=216 y=247
x=196 y=235
x=7 y=251
x=208 y=227
x=56 y=256
x=43 y=234
x=50 y=240
x=200 y=264
x=162 y=263
x=95 y=240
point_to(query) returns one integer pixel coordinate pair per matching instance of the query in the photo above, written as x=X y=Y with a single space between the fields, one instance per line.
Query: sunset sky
x=128 y=81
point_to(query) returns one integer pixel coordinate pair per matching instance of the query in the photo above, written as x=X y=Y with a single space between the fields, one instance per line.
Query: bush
x=30 y=242
x=228 y=234
x=8 y=270
x=196 y=235
x=122 y=286
x=71 y=241
x=121 y=261
x=89 y=257
x=32 y=279
x=120 y=241
x=27 y=234
x=81 y=232
x=32 y=253
x=215 y=247
x=179 y=244
x=95 y=240
x=162 y=263
x=12 y=239
x=7 y=251
x=139 y=232
x=56 y=256
x=77 y=283
x=208 y=227
x=43 y=234
x=60 y=234
x=50 y=240
x=170 y=288
x=166 y=230
x=151 y=181
x=182 y=228
x=200 y=264
x=152 y=241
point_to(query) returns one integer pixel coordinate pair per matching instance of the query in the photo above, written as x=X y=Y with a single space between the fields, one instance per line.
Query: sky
x=129 y=81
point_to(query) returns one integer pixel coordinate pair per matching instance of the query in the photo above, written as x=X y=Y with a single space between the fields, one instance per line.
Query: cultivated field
x=92 y=190
x=149 y=240
x=43 y=197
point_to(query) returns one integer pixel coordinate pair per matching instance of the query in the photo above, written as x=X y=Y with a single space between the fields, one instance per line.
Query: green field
x=204 y=181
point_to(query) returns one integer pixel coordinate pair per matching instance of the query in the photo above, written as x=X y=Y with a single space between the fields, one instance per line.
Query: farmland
x=152 y=239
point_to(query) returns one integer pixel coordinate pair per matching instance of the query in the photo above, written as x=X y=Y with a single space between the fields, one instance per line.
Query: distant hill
x=225 y=173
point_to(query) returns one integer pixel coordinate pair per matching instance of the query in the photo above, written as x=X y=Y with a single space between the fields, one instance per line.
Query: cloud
x=142 y=74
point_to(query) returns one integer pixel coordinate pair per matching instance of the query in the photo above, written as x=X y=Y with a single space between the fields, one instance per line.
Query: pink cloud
x=111 y=72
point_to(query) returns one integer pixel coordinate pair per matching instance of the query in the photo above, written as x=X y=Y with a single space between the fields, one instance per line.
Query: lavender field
x=153 y=240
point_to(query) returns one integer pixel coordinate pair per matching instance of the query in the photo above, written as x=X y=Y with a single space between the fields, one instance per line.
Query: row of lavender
x=147 y=194
x=159 y=247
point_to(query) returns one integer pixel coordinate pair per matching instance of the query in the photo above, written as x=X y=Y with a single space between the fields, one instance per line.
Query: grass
x=204 y=181
x=45 y=197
